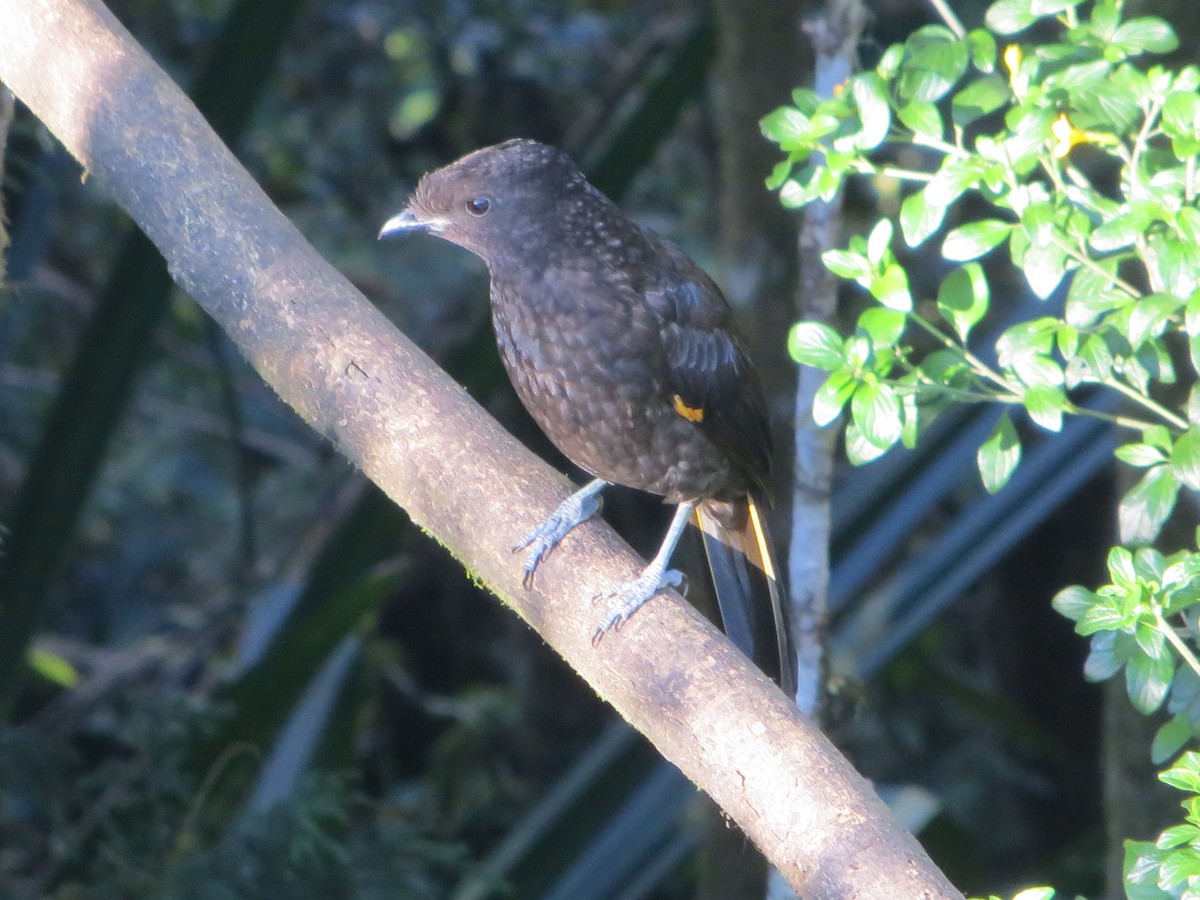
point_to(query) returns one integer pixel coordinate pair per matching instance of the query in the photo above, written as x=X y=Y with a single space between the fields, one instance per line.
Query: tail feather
x=742 y=559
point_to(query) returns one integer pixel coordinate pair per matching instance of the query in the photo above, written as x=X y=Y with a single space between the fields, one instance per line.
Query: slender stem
x=1184 y=651
x=1148 y=402
x=924 y=140
x=1119 y=420
x=960 y=394
x=1139 y=144
x=943 y=9
x=1085 y=260
x=972 y=360
x=905 y=174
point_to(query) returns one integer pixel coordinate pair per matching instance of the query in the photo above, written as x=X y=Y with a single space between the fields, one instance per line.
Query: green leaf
x=879 y=244
x=1193 y=404
x=1148 y=34
x=1185 y=459
x=1120 y=567
x=858 y=351
x=883 y=326
x=1033 y=336
x=934 y=61
x=54 y=668
x=1035 y=893
x=1092 y=293
x=1106 y=16
x=816 y=344
x=982 y=96
x=1009 y=16
x=1158 y=436
x=1073 y=602
x=963 y=298
x=919 y=218
x=779 y=174
x=1045 y=403
x=1044 y=266
x=983 y=49
x=876 y=410
x=1146 y=506
x=1185 y=774
x=1175 y=261
x=1149 y=317
x=1147 y=681
x=859 y=450
x=1140 y=456
x=954 y=178
x=870 y=96
x=1181 y=123
x=999 y=455
x=1112 y=104
x=1103 y=615
x=805 y=188
x=1169 y=739
x=787 y=127
x=1051 y=7
x=806 y=100
x=891 y=288
x=922 y=118
x=973 y=240
x=847 y=264
x=1102 y=662
x=832 y=395
x=1123 y=231
x=1177 y=834
x=949 y=368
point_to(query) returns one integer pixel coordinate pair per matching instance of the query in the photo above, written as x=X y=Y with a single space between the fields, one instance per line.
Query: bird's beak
x=406 y=222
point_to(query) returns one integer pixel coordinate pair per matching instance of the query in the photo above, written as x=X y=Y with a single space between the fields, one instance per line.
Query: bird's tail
x=747 y=582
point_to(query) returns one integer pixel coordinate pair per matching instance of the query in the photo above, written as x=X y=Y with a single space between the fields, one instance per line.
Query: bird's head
x=495 y=199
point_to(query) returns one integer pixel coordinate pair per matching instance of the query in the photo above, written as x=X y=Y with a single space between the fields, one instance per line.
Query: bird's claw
x=632 y=595
x=575 y=510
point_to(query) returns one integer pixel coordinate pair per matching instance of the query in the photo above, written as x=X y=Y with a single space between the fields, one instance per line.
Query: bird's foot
x=573 y=511
x=632 y=595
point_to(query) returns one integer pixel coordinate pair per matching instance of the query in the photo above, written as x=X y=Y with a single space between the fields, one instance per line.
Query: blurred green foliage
x=1120 y=239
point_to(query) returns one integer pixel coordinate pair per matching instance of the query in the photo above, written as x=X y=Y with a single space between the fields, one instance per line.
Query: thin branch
x=943 y=9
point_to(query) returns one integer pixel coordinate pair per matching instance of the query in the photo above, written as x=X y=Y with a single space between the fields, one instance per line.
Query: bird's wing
x=710 y=372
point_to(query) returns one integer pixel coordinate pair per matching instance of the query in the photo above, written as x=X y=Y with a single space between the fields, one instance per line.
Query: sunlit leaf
x=1185 y=459
x=982 y=96
x=1147 y=681
x=998 y=456
x=919 y=219
x=974 y=239
x=934 y=61
x=832 y=395
x=963 y=298
x=1144 y=509
x=816 y=344
x=1147 y=34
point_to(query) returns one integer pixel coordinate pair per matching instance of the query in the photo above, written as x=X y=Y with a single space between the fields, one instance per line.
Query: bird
x=626 y=354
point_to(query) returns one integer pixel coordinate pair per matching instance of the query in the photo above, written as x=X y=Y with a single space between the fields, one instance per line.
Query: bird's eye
x=477 y=206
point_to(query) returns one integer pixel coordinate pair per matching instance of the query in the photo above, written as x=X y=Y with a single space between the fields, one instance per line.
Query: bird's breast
x=591 y=370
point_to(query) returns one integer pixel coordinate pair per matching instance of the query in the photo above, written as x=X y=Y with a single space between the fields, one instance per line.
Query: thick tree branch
x=347 y=370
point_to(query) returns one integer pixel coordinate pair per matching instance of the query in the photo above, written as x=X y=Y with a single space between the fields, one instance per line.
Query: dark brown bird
x=625 y=353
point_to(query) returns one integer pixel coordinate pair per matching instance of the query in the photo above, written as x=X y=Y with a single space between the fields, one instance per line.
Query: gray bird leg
x=632 y=594
x=575 y=510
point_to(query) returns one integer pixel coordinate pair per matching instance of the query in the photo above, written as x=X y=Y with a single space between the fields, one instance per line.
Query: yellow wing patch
x=691 y=413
